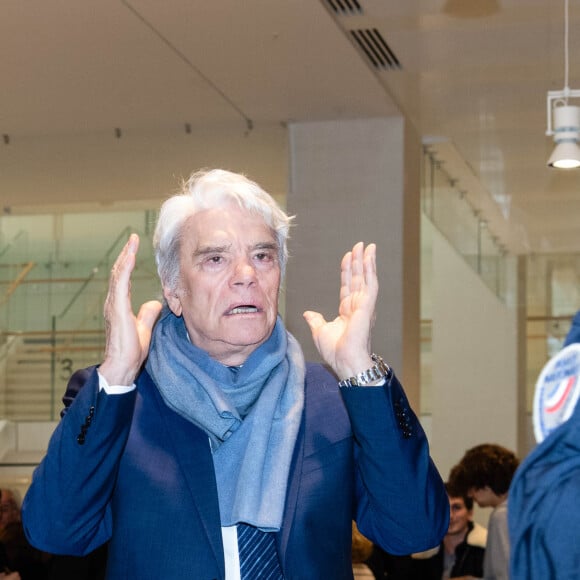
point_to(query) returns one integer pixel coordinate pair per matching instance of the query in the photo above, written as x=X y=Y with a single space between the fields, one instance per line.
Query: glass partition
x=552 y=280
x=446 y=208
x=445 y=204
x=54 y=272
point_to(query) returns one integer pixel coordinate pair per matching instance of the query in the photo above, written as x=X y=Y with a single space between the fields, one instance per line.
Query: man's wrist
x=110 y=389
x=375 y=375
x=117 y=375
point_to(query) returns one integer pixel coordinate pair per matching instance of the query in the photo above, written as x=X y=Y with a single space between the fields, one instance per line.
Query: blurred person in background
x=16 y=554
x=544 y=514
x=9 y=508
x=485 y=473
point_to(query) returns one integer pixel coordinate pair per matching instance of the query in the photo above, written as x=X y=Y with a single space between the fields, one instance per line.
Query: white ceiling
x=473 y=73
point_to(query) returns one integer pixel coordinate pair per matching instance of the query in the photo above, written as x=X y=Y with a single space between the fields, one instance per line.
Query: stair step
x=31 y=378
x=25 y=373
x=28 y=415
x=35 y=390
x=26 y=396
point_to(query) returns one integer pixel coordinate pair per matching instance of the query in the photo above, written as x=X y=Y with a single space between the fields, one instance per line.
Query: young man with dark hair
x=461 y=552
x=463 y=547
x=485 y=473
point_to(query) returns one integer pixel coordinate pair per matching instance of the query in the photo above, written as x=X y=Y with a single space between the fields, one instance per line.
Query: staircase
x=37 y=371
x=22 y=446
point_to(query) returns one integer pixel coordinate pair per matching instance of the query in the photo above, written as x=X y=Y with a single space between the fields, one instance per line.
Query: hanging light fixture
x=564 y=119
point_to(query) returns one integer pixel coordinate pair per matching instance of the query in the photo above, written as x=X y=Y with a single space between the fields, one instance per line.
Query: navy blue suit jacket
x=128 y=469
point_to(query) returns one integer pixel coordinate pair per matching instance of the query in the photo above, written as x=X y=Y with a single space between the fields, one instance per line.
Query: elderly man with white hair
x=203 y=446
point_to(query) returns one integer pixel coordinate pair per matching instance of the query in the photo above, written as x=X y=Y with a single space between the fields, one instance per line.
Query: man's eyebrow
x=205 y=250
x=219 y=249
x=265 y=246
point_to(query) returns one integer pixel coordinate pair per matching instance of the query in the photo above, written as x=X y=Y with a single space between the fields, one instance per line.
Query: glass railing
x=54 y=272
x=447 y=206
x=552 y=280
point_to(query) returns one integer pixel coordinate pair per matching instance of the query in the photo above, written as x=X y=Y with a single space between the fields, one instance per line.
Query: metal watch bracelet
x=378 y=371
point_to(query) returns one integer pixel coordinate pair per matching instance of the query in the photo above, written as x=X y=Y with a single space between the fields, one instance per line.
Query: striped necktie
x=258 y=556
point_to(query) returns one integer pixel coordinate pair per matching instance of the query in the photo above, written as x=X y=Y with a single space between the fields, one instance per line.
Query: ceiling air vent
x=376 y=48
x=345 y=7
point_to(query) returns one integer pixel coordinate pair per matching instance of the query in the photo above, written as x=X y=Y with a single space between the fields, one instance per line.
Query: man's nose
x=244 y=272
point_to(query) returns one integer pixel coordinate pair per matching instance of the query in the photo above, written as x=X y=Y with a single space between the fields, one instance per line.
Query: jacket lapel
x=191 y=448
x=295 y=478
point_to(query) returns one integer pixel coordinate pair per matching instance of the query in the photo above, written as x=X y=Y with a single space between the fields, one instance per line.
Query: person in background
x=9 y=508
x=462 y=551
x=204 y=432
x=544 y=517
x=362 y=549
x=460 y=554
x=17 y=556
x=463 y=548
x=89 y=567
x=485 y=473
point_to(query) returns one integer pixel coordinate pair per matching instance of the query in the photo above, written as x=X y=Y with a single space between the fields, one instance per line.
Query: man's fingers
x=149 y=312
x=120 y=278
x=125 y=263
x=370 y=262
x=314 y=319
x=345 y=275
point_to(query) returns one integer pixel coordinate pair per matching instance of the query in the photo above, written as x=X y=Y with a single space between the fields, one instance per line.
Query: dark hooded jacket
x=544 y=500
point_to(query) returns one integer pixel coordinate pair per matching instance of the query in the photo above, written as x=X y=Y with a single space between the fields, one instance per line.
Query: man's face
x=459 y=516
x=229 y=281
x=9 y=512
x=483 y=496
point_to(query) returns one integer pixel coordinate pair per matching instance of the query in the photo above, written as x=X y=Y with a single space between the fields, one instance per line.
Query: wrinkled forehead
x=228 y=221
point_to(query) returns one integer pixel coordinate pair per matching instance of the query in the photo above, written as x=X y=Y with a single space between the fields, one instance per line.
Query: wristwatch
x=380 y=370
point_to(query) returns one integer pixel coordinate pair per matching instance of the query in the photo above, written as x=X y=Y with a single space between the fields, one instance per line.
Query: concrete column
x=350 y=181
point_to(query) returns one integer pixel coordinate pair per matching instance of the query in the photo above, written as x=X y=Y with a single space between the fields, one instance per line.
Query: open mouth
x=243 y=310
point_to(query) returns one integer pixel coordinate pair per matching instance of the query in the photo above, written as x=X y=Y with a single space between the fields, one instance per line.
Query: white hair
x=208 y=190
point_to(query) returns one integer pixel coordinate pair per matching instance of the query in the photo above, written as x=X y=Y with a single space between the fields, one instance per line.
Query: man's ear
x=173 y=301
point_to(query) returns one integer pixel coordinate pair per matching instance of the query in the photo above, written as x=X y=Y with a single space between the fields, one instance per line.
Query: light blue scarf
x=251 y=416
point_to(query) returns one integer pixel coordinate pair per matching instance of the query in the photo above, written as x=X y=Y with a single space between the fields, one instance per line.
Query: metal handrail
x=104 y=260
x=11 y=243
x=16 y=282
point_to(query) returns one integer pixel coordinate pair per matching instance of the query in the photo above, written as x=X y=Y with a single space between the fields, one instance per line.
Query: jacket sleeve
x=67 y=507
x=402 y=503
x=75 y=384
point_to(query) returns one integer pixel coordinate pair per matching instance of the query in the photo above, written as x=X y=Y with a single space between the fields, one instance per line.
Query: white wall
x=474 y=391
x=96 y=167
x=22 y=446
